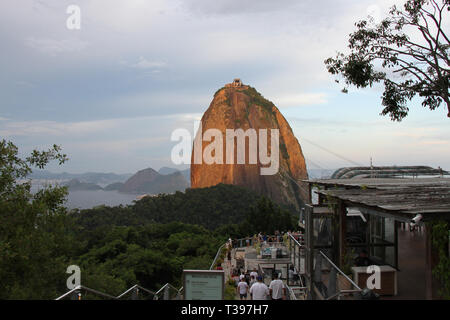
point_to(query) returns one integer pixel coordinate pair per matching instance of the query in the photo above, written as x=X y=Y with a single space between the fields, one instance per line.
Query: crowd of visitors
x=250 y=285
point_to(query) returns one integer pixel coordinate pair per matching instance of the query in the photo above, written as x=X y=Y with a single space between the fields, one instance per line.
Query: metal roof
x=428 y=196
x=386 y=172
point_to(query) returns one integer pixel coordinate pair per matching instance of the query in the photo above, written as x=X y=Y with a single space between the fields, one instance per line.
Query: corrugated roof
x=402 y=196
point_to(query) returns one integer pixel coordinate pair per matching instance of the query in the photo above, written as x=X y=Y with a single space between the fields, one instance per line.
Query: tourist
x=242 y=288
x=277 y=289
x=259 y=291
x=291 y=275
x=254 y=273
x=252 y=281
x=229 y=258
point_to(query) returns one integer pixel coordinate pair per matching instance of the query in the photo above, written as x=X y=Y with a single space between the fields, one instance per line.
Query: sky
x=112 y=92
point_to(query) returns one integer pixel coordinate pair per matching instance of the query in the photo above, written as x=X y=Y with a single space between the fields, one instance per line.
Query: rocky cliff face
x=242 y=107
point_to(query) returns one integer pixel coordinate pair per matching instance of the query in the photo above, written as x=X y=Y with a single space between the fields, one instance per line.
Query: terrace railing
x=330 y=283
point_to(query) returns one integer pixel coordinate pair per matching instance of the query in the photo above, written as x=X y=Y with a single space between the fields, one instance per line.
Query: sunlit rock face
x=238 y=106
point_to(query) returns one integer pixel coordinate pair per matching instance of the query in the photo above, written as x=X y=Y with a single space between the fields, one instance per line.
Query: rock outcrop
x=238 y=106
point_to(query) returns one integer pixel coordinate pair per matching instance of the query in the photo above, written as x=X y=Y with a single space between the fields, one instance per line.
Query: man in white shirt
x=277 y=288
x=259 y=290
x=242 y=288
x=254 y=273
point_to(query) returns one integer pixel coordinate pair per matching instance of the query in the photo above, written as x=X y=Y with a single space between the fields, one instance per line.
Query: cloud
x=147 y=64
x=55 y=47
x=237 y=7
x=302 y=99
x=89 y=128
x=53 y=128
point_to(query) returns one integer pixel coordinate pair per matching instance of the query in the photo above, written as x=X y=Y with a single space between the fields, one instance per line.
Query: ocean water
x=89 y=199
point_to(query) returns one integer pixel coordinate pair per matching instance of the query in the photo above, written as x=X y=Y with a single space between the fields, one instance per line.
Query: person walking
x=259 y=291
x=254 y=273
x=277 y=289
x=242 y=288
x=252 y=281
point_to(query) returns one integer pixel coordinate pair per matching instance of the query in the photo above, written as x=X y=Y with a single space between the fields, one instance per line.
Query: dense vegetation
x=147 y=243
x=209 y=207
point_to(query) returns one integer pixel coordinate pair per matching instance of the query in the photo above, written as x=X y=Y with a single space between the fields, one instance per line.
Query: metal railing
x=297 y=254
x=331 y=283
x=168 y=292
x=134 y=290
x=76 y=294
x=217 y=256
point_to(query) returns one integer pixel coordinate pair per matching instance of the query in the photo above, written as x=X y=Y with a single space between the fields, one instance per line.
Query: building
x=387 y=218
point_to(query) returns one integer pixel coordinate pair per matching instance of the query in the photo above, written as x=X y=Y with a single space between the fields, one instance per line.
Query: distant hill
x=152 y=182
x=88 y=177
x=76 y=185
x=167 y=170
x=116 y=186
x=186 y=172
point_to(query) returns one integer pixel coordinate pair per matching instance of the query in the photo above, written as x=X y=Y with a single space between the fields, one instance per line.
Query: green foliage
x=348 y=261
x=406 y=65
x=215 y=94
x=283 y=150
x=150 y=255
x=211 y=208
x=267 y=217
x=35 y=244
x=230 y=290
x=440 y=240
x=257 y=99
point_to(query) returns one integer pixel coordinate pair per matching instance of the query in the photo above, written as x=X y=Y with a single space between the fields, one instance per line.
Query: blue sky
x=111 y=93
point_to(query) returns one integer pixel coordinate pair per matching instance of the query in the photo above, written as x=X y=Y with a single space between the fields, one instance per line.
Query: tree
x=34 y=240
x=408 y=51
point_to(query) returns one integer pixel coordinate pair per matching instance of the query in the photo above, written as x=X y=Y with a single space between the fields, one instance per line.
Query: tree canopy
x=408 y=52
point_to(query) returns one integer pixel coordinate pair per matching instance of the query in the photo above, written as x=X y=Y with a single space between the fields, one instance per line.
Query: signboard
x=203 y=284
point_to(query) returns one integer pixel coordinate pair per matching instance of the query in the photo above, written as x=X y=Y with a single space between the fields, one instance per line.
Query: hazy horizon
x=112 y=92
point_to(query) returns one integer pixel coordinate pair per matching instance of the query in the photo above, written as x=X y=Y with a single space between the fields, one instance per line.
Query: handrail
x=134 y=287
x=164 y=286
x=339 y=270
x=291 y=290
x=80 y=287
x=217 y=255
x=295 y=240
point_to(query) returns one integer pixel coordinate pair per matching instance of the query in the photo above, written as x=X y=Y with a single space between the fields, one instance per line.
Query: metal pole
x=166 y=293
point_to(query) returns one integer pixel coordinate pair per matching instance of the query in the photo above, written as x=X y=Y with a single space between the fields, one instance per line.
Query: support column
x=342 y=216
